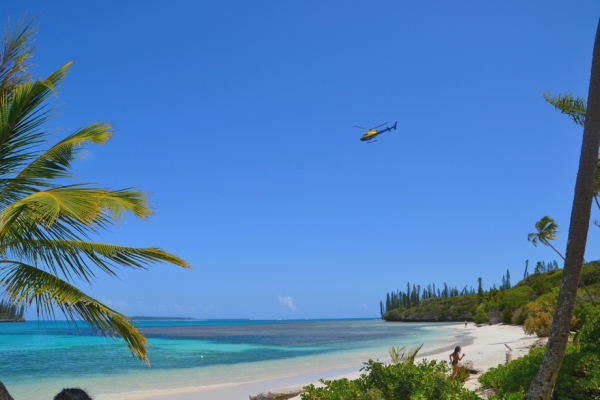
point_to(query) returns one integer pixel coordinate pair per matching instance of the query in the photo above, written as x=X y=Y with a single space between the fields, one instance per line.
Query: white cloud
x=287 y=301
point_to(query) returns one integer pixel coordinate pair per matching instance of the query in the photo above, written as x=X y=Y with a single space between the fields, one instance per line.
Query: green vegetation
x=402 y=354
x=579 y=376
x=404 y=380
x=47 y=220
x=530 y=302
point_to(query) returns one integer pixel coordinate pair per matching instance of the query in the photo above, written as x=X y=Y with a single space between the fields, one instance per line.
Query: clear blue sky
x=237 y=116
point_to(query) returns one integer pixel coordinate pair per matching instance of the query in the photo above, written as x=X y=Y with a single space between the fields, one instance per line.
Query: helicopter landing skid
x=371 y=141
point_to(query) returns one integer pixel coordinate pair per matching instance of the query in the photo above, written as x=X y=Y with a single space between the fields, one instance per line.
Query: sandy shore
x=484 y=346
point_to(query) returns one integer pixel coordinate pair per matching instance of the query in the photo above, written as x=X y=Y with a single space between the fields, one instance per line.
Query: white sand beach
x=484 y=346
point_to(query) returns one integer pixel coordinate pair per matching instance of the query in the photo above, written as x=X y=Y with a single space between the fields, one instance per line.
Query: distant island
x=507 y=304
x=11 y=313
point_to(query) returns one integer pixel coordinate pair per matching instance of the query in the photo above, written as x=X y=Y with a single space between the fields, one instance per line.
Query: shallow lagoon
x=39 y=359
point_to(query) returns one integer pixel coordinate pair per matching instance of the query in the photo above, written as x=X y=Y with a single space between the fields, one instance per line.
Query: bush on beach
x=579 y=376
x=424 y=380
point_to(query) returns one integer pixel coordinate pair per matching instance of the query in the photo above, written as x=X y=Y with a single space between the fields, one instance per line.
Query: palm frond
x=533 y=238
x=44 y=227
x=75 y=258
x=53 y=163
x=17 y=50
x=574 y=107
x=26 y=284
x=546 y=228
x=402 y=355
x=84 y=209
x=23 y=112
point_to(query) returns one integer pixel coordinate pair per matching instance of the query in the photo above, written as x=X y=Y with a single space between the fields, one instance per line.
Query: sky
x=237 y=117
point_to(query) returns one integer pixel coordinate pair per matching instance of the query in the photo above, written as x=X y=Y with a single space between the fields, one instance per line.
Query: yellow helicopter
x=373 y=132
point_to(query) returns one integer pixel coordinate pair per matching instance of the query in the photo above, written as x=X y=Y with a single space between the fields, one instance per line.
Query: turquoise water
x=39 y=359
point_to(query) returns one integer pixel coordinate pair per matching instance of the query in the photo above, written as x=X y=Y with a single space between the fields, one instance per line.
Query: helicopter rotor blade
x=380 y=125
x=360 y=127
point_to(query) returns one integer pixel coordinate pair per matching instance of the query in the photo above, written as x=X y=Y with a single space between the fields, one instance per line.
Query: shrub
x=539 y=319
x=579 y=376
x=589 y=334
x=425 y=380
x=481 y=316
x=540 y=314
x=578 y=379
x=462 y=374
x=516 y=376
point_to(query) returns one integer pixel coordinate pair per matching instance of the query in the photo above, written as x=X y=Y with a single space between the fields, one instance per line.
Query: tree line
x=10 y=310
x=415 y=294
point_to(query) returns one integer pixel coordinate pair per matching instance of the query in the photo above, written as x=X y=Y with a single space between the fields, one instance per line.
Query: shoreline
x=484 y=346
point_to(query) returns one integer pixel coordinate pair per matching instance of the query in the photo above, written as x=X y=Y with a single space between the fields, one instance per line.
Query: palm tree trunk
x=580 y=280
x=543 y=384
x=4 y=395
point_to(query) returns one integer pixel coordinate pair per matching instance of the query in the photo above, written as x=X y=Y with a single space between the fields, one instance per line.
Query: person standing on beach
x=454 y=359
x=465 y=324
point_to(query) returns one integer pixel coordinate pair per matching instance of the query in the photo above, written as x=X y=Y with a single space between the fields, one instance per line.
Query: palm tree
x=46 y=225
x=543 y=384
x=546 y=231
x=575 y=108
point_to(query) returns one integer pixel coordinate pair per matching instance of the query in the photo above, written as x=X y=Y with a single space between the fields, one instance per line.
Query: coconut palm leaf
x=22 y=114
x=45 y=226
x=574 y=107
x=26 y=284
x=402 y=355
x=546 y=230
x=17 y=49
x=53 y=163
x=75 y=258
x=82 y=209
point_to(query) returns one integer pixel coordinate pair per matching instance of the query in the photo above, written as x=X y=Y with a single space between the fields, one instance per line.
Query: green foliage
x=540 y=313
x=45 y=225
x=516 y=376
x=574 y=107
x=542 y=283
x=423 y=381
x=589 y=334
x=578 y=379
x=458 y=308
x=462 y=374
x=402 y=354
x=512 y=303
x=481 y=316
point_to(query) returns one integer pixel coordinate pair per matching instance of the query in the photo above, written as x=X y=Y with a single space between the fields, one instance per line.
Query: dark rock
x=468 y=365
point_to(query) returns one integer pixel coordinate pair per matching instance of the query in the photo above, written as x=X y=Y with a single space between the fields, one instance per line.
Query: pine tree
x=539 y=268
x=526 y=274
x=508 y=285
x=388 y=303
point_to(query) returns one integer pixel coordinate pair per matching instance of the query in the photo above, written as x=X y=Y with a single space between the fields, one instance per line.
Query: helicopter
x=373 y=132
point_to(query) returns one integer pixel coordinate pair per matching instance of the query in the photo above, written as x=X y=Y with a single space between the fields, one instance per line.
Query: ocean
x=38 y=359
